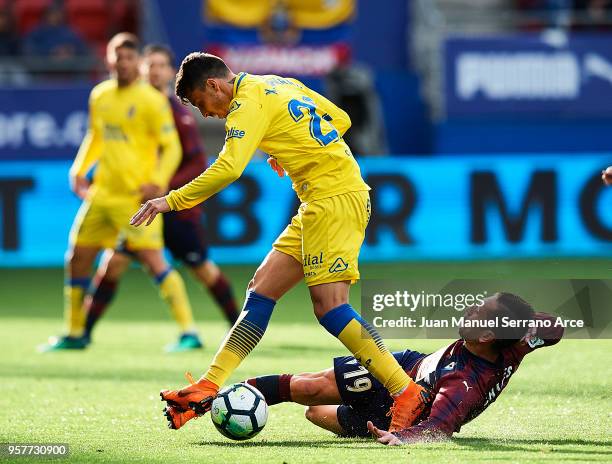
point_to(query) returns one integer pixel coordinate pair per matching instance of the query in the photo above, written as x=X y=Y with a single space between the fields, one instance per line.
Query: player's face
x=124 y=62
x=158 y=70
x=482 y=312
x=210 y=100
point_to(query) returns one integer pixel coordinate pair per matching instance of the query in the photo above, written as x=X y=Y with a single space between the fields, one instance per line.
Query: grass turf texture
x=104 y=402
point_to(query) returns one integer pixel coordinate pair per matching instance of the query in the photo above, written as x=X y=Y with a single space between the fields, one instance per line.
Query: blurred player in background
x=183 y=233
x=132 y=138
x=464 y=377
x=302 y=131
x=606 y=176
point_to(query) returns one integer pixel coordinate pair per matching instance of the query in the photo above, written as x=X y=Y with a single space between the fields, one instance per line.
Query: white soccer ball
x=239 y=411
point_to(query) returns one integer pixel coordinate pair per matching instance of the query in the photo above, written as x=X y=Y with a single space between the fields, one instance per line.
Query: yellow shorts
x=326 y=236
x=100 y=222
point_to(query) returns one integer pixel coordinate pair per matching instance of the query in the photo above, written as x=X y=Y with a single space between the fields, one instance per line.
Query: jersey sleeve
x=163 y=127
x=450 y=409
x=244 y=129
x=543 y=336
x=91 y=147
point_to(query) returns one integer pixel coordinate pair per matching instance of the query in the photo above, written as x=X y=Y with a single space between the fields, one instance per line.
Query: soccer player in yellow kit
x=133 y=140
x=302 y=132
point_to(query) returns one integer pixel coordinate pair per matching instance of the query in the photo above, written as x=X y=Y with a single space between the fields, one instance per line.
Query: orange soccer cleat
x=177 y=419
x=189 y=402
x=408 y=406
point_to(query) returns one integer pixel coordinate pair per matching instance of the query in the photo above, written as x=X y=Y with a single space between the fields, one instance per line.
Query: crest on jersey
x=339 y=266
x=233 y=107
x=131 y=112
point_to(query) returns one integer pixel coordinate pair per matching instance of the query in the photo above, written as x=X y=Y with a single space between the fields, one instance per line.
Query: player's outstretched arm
x=245 y=127
x=149 y=210
x=383 y=436
x=407 y=436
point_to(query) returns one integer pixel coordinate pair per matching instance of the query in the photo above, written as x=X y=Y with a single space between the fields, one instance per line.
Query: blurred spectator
x=9 y=41
x=352 y=89
x=551 y=13
x=54 y=38
x=593 y=14
x=580 y=14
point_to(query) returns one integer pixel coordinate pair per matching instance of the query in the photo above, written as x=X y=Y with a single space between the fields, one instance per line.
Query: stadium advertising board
x=38 y=124
x=423 y=208
x=550 y=74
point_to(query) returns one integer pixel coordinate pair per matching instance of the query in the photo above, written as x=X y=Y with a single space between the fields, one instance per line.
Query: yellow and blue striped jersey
x=132 y=137
x=290 y=122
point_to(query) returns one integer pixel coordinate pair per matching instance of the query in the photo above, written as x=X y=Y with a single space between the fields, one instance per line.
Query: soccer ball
x=239 y=411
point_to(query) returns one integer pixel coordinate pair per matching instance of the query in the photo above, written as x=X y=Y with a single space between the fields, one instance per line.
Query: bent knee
x=312 y=413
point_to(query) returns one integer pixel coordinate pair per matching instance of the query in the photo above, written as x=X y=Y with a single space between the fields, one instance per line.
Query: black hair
x=195 y=69
x=514 y=308
x=123 y=40
x=160 y=48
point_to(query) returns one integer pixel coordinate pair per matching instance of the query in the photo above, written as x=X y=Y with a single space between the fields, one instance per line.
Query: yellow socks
x=172 y=290
x=366 y=345
x=242 y=338
x=74 y=313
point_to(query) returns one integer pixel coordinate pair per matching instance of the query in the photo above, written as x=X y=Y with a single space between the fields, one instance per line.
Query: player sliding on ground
x=464 y=377
x=302 y=131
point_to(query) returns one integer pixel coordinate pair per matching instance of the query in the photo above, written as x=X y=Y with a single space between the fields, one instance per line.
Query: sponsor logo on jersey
x=234 y=133
x=534 y=342
x=313 y=261
x=114 y=132
x=271 y=92
x=339 y=265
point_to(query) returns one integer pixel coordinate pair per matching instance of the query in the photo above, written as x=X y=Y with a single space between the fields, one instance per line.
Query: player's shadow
x=527 y=444
x=481 y=444
x=290 y=444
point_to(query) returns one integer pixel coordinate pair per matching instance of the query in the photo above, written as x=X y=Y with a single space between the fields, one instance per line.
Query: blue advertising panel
x=42 y=123
x=550 y=74
x=423 y=208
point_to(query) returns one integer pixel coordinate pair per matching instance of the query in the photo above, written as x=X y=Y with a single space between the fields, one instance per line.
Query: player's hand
x=150 y=191
x=276 y=167
x=79 y=185
x=382 y=436
x=149 y=210
x=606 y=176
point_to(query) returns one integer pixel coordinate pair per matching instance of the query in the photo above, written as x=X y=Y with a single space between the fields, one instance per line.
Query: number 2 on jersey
x=295 y=110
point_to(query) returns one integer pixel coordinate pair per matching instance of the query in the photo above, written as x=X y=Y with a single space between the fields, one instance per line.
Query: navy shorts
x=363 y=397
x=184 y=238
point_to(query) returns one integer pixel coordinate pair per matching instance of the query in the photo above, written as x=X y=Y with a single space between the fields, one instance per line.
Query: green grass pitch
x=104 y=402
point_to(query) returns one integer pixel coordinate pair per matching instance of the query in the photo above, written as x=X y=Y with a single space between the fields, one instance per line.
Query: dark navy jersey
x=464 y=385
x=193 y=161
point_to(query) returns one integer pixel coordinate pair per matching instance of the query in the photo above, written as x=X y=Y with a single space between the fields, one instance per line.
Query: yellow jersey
x=295 y=125
x=132 y=137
